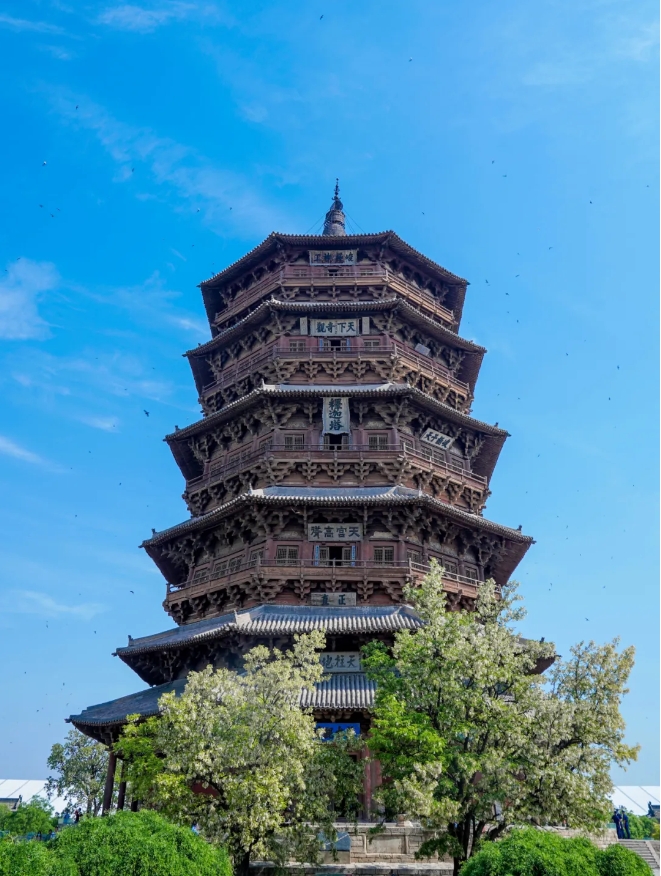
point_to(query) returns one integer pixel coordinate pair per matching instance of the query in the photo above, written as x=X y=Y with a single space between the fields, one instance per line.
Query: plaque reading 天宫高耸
x=335 y=531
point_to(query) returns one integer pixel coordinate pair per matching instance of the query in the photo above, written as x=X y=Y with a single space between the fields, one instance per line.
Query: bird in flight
x=320 y=17
x=76 y=106
x=146 y=413
x=43 y=163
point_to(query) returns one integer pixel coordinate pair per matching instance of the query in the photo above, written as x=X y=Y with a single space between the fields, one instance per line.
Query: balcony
x=310 y=570
x=289 y=277
x=391 y=360
x=357 y=453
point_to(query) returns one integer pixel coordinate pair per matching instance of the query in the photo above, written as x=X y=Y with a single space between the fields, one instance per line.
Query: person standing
x=625 y=825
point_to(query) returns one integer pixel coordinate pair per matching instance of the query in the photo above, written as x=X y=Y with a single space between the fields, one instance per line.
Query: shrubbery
x=33 y=817
x=139 y=843
x=543 y=853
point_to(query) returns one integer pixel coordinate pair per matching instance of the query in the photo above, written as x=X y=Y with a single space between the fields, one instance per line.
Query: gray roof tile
x=348 y=691
x=267 y=620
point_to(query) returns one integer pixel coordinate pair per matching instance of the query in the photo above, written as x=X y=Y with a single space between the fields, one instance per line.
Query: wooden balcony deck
x=388 y=349
x=341 y=277
x=314 y=453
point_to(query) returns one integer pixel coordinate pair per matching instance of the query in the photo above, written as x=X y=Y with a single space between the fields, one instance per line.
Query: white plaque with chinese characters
x=340 y=661
x=333 y=600
x=335 y=531
x=438 y=439
x=330 y=257
x=335 y=327
x=336 y=420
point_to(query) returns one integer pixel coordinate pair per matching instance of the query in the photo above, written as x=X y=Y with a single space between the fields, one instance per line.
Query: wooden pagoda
x=336 y=456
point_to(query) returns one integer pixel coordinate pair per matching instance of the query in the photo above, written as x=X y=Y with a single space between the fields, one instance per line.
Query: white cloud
x=11 y=448
x=20 y=291
x=58 y=52
x=106 y=424
x=32 y=602
x=137 y=18
x=22 y=24
x=227 y=199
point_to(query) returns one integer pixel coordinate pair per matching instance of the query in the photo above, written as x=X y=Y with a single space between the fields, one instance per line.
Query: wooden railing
x=315 y=275
x=314 y=453
x=346 y=569
x=281 y=349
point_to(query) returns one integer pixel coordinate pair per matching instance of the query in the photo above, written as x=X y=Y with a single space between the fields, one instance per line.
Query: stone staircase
x=648 y=850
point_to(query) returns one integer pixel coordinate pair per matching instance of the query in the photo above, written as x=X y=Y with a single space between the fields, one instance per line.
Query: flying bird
x=76 y=106
x=410 y=59
x=44 y=163
x=146 y=413
x=131 y=591
x=320 y=17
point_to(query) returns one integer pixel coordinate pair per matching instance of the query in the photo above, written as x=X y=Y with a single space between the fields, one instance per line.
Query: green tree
x=82 y=765
x=269 y=783
x=533 y=852
x=474 y=741
x=36 y=816
x=140 y=843
x=642 y=826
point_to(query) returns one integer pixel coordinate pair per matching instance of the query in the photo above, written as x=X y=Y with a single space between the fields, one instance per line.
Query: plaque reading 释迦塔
x=340 y=661
x=335 y=531
x=437 y=439
x=333 y=257
x=336 y=420
x=333 y=600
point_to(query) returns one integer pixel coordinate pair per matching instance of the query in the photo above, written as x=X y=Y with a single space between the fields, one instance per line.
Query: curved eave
x=517 y=542
x=190 y=467
x=275 y=240
x=468 y=373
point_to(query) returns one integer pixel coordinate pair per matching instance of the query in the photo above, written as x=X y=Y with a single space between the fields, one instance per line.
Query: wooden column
x=110 y=782
x=121 y=794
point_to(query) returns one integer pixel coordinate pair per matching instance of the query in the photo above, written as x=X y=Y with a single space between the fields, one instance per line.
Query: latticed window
x=297 y=346
x=294 y=442
x=450 y=566
x=377 y=442
x=384 y=556
x=220 y=568
x=371 y=344
x=336 y=442
x=255 y=556
x=406 y=444
x=414 y=556
x=201 y=575
x=331 y=555
x=234 y=564
x=286 y=554
x=471 y=573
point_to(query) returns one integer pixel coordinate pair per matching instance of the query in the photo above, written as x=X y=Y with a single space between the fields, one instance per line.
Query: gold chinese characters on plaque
x=330 y=257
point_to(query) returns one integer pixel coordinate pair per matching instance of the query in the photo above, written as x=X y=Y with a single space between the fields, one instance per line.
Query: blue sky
x=147 y=146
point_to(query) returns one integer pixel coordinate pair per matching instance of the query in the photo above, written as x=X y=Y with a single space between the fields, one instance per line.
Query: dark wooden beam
x=110 y=782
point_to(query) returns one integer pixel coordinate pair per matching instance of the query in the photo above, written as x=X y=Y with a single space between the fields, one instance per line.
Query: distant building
x=336 y=457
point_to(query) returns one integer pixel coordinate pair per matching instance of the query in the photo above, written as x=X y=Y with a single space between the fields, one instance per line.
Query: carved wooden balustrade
x=392 y=361
x=333 y=281
x=257 y=581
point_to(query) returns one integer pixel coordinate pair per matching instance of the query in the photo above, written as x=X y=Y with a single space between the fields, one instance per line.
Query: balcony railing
x=348 y=570
x=314 y=453
x=282 y=350
x=321 y=275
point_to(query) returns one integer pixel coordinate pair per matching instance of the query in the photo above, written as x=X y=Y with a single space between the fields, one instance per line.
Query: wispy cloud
x=20 y=291
x=11 y=448
x=106 y=424
x=42 y=605
x=57 y=52
x=227 y=200
x=141 y=19
x=23 y=24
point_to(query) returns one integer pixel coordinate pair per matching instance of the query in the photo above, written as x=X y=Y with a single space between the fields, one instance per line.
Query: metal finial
x=336 y=195
x=334 y=221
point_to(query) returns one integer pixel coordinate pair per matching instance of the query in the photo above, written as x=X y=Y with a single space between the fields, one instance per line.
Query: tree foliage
x=36 y=816
x=82 y=765
x=475 y=742
x=19 y=858
x=533 y=852
x=269 y=782
x=642 y=826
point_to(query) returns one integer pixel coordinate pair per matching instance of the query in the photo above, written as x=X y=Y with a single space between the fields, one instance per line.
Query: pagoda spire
x=334 y=221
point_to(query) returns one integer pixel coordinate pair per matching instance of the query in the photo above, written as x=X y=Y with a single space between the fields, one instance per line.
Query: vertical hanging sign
x=336 y=415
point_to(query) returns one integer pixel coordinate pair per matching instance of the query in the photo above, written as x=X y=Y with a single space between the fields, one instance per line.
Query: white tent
x=26 y=789
x=635 y=798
